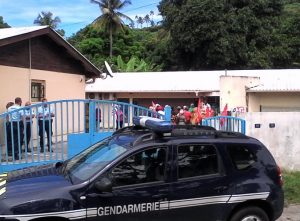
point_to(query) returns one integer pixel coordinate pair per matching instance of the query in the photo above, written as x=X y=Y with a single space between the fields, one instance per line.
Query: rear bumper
x=278 y=205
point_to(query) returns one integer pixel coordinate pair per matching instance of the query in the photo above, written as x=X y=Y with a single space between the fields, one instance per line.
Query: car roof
x=135 y=135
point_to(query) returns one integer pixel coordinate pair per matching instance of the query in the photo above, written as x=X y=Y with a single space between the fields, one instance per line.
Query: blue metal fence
x=226 y=123
x=74 y=125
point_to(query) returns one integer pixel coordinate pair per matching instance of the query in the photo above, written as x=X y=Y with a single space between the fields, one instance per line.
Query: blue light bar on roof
x=155 y=124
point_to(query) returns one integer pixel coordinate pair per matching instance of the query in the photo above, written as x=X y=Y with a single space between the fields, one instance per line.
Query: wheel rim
x=251 y=218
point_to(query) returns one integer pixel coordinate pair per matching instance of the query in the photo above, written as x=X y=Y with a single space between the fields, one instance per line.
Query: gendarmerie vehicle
x=157 y=173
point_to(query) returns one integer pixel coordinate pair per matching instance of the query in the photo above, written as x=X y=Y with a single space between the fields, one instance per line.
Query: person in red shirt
x=187 y=115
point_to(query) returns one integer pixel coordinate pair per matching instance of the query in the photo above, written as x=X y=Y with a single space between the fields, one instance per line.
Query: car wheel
x=250 y=214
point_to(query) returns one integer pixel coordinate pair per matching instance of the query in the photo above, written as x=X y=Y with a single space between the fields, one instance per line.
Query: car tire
x=250 y=214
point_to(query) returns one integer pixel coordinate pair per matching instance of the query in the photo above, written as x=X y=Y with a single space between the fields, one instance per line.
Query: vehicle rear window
x=197 y=160
x=242 y=156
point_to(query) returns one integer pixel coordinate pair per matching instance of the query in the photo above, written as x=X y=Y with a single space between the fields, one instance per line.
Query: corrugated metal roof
x=192 y=81
x=285 y=81
x=157 y=82
x=11 y=32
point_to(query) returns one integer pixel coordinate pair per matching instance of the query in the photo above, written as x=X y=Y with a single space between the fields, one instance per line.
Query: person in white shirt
x=45 y=115
x=28 y=115
x=16 y=121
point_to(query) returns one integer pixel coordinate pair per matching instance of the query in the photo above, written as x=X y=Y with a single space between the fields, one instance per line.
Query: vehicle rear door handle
x=221 y=188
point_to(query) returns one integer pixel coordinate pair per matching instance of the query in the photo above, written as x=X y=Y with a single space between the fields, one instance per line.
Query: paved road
x=291 y=213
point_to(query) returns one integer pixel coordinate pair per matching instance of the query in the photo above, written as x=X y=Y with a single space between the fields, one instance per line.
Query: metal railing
x=226 y=123
x=38 y=138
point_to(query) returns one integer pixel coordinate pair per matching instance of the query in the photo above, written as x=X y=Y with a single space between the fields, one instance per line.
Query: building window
x=37 y=90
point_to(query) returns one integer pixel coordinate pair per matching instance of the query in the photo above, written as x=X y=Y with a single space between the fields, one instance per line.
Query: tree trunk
x=111 y=42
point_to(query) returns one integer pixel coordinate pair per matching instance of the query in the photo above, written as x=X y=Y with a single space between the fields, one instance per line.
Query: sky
x=74 y=14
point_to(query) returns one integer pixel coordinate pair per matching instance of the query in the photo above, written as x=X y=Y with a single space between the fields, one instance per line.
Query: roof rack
x=192 y=130
x=230 y=134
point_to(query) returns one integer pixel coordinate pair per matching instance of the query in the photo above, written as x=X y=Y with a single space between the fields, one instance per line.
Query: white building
x=242 y=90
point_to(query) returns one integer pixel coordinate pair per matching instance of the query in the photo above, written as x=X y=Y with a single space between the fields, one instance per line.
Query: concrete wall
x=233 y=91
x=284 y=101
x=283 y=141
x=15 y=82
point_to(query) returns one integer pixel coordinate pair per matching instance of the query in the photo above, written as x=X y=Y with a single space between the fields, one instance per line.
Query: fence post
x=243 y=126
x=167 y=113
x=92 y=118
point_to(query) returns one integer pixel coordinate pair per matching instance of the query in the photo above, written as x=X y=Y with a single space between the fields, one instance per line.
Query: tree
x=213 y=34
x=152 y=21
x=2 y=24
x=139 y=20
x=46 y=18
x=147 y=19
x=111 y=18
x=136 y=65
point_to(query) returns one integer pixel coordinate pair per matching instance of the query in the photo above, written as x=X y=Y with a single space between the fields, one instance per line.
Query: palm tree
x=139 y=20
x=147 y=19
x=46 y=18
x=3 y=24
x=152 y=21
x=111 y=18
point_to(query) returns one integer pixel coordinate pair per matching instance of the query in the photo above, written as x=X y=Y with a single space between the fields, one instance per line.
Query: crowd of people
x=19 y=126
x=185 y=115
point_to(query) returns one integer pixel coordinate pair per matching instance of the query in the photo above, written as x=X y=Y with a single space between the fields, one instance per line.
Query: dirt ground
x=291 y=213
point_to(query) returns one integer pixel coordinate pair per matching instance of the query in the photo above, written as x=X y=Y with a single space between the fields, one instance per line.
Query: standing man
x=119 y=117
x=29 y=115
x=16 y=119
x=45 y=114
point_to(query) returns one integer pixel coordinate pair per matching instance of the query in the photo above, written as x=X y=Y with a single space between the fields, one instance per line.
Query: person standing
x=28 y=115
x=98 y=118
x=16 y=119
x=119 y=118
x=8 y=130
x=45 y=114
x=187 y=115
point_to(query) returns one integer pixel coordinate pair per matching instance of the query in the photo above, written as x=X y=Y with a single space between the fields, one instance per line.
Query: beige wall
x=283 y=140
x=284 y=101
x=15 y=82
x=152 y=95
x=233 y=90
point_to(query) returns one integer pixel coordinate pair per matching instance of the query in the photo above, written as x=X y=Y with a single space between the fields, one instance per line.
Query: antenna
x=104 y=74
x=110 y=73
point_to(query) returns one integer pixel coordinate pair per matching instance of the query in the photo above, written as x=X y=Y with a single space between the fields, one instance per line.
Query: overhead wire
x=143 y=6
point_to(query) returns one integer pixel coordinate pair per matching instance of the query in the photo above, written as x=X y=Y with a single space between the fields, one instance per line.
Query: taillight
x=280 y=178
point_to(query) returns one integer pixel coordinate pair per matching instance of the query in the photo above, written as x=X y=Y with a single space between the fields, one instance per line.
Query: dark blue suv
x=184 y=173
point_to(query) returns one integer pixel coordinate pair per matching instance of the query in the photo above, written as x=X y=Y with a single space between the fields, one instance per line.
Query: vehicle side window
x=143 y=167
x=241 y=156
x=197 y=160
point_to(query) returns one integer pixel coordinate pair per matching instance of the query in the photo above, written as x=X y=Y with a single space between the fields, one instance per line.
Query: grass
x=291 y=187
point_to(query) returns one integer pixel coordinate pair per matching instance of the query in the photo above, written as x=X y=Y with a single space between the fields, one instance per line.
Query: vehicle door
x=136 y=188
x=201 y=188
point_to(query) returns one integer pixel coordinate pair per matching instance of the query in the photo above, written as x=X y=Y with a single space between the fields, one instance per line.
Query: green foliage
x=205 y=34
x=94 y=44
x=291 y=186
x=111 y=18
x=290 y=31
x=213 y=34
x=46 y=18
x=3 y=24
x=135 y=65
